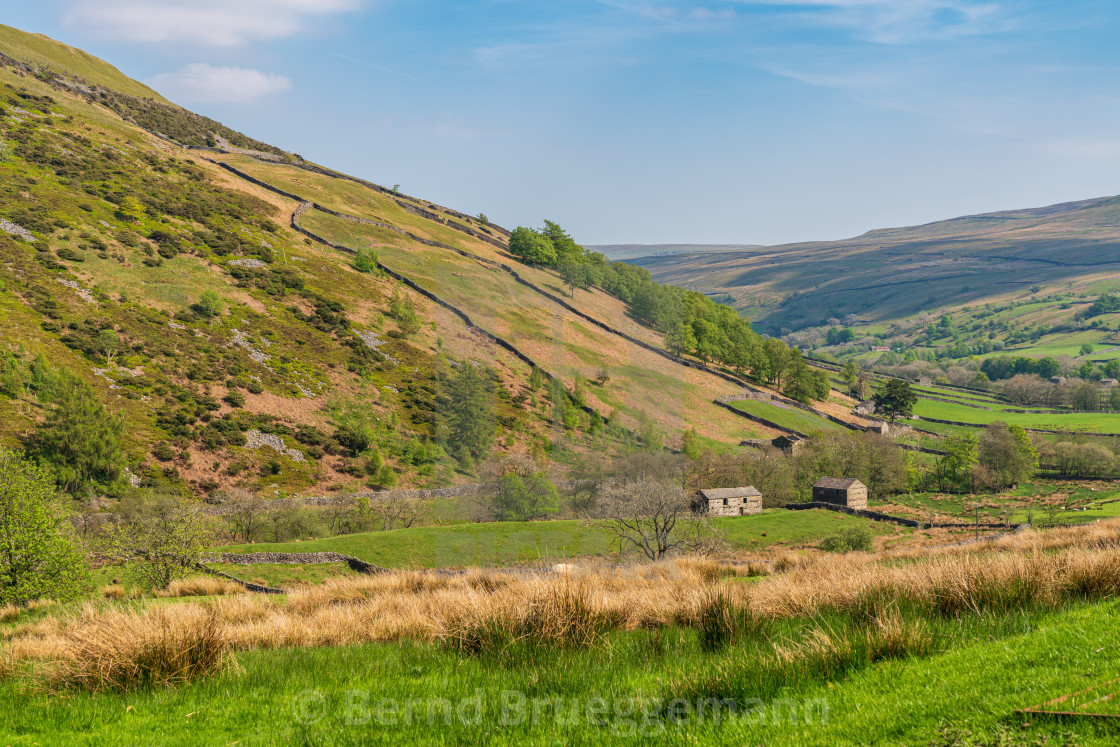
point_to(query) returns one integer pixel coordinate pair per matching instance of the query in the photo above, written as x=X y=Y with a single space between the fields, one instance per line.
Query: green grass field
x=789 y=417
x=1068 y=343
x=986 y=669
x=1104 y=422
x=517 y=543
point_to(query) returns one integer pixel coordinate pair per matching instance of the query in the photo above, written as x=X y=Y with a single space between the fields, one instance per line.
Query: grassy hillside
x=43 y=52
x=787 y=416
x=117 y=233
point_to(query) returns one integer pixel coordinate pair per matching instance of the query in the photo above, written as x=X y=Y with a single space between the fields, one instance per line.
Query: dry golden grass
x=107 y=646
x=121 y=651
x=201 y=586
x=10 y=612
x=113 y=591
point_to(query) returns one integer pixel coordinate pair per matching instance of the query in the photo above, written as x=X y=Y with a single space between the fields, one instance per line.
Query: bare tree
x=247 y=515
x=651 y=515
x=397 y=509
x=160 y=537
x=338 y=513
x=1027 y=389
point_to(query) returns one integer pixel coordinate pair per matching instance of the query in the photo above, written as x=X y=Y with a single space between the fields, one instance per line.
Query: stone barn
x=788 y=443
x=728 y=501
x=840 y=491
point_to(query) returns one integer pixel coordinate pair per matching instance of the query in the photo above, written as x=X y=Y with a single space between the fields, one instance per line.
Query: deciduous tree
x=160 y=537
x=39 y=554
x=651 y=516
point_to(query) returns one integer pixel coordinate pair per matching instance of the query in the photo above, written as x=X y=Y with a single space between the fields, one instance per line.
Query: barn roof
x=718 y=494
x=837 y=483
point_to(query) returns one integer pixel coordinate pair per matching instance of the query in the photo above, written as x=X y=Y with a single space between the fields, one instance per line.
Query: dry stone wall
x=295 y=558
x=876 y=516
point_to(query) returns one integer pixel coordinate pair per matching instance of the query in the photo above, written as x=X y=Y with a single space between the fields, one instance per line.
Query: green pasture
x=788 y=417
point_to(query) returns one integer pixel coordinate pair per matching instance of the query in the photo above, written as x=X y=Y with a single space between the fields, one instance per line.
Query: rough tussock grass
x=121 y=651
x=202 y=586
x=819 y=617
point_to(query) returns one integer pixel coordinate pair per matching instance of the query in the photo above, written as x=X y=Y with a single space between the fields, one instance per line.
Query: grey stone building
x=728 y=501
x=840 y=491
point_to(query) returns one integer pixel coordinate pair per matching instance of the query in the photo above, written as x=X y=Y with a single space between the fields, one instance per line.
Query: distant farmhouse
x=840 y=491
x=728 y=501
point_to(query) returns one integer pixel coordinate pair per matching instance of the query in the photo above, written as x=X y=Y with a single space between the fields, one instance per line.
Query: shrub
x=209 y=305
x=163 y=451
x=848 y=540
x=366 y=261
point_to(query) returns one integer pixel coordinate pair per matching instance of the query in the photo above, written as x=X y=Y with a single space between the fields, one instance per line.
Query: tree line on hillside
x=692 y=323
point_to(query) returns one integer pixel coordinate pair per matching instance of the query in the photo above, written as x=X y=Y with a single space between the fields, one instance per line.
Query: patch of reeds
x=721 y=620
x=120 y=651
x=562 y=612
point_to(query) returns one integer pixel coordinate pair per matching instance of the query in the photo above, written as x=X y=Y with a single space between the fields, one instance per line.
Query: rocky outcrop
x=255 y=439
x=11 y=228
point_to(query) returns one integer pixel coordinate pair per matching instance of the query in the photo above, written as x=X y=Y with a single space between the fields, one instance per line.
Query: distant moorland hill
x=891 y=274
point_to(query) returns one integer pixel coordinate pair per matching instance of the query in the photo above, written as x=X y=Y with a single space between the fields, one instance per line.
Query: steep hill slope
x=893 y=273
x=207 y=286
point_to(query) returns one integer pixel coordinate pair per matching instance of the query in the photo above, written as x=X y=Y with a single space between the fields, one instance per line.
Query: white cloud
x=899 y=21
x=219 y=23
x=202 y=83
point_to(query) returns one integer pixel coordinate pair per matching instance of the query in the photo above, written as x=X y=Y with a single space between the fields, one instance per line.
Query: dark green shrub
x=849 y=540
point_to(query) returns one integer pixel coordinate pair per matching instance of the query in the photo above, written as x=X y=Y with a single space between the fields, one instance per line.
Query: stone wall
x=260 y=589
x=294 y=558
x=876 y=516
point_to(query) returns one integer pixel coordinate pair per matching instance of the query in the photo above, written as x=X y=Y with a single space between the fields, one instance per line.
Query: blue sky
x=651 y=122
